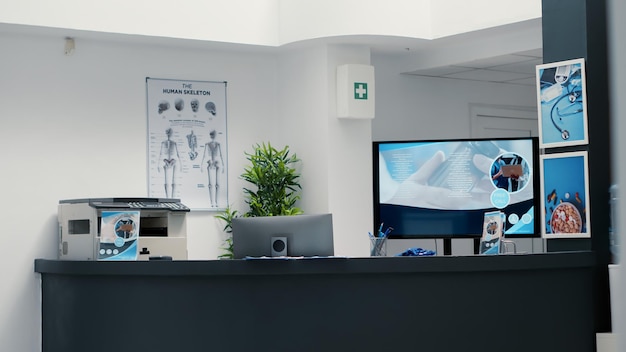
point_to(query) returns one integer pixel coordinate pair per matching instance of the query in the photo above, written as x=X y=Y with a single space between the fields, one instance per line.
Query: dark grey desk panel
x=506 y=303
x=321 y=265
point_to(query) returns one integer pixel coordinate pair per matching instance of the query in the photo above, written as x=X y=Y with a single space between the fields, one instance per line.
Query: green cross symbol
x=360 y=90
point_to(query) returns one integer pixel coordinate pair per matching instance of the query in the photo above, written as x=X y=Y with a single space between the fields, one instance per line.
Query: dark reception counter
x=538 y=302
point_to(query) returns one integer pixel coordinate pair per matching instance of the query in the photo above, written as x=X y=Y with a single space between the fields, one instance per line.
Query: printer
x=162 y=226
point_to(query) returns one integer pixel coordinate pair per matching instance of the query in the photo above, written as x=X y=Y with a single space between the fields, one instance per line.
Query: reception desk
x=538 y=302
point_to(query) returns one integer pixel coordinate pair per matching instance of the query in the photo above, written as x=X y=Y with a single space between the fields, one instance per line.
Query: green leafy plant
x=227 y=217
x=276 y=180
x=276 y=189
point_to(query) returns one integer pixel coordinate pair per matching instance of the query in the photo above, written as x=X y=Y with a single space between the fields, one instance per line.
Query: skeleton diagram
x=169 y=156
x=193 y=143
x=215 y=162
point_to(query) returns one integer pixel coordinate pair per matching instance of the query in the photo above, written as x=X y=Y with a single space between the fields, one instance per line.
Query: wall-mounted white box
x=355 y=91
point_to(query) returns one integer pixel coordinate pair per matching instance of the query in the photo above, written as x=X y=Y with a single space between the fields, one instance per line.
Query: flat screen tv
x=443 y=188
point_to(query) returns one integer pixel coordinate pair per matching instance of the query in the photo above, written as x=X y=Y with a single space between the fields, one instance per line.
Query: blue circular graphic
x=119 y=242
x=526 y=218
x=513 y=218
x=125 y=228
x=500 y=198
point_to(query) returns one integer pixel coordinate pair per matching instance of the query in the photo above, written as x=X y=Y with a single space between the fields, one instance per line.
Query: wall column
x=336 y=153
x=577 y=29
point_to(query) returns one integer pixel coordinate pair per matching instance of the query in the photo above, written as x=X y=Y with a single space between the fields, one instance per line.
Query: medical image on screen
x=443 y=188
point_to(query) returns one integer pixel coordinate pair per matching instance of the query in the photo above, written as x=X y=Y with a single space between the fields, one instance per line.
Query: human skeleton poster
x=187 y=146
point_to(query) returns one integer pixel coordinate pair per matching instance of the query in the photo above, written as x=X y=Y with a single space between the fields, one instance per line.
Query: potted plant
x=276 y=188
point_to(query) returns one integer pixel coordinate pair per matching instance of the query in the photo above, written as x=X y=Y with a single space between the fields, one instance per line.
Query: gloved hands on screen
x=416 y=190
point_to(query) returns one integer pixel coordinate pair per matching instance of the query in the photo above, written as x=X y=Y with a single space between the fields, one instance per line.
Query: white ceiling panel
x=517 y=68
x=487 y=75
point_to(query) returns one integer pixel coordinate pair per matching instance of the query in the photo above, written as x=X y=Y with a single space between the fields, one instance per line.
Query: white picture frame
x=562 y=104
x=565 y=195
x=187 y=142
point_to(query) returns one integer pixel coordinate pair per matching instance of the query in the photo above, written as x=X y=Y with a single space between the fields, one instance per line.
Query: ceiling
x=517 y=68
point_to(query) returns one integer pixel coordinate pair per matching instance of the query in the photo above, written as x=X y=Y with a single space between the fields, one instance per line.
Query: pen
x=380 y=229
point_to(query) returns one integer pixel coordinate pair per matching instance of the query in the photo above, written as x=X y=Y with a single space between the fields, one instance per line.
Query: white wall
x=302 y=91
x=300 y=19
x=459 y=16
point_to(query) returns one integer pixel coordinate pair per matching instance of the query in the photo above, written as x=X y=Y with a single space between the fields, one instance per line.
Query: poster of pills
x=565 y=195
x=187 y=146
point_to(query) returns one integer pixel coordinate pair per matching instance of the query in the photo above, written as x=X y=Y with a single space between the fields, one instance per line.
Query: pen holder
x=378 y=246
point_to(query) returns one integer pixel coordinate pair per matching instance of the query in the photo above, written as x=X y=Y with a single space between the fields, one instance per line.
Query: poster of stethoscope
x=565 y=195
x=562 y=103
x=187 y=147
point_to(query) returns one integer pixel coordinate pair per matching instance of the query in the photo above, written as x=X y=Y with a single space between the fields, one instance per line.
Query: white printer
x=162 y=226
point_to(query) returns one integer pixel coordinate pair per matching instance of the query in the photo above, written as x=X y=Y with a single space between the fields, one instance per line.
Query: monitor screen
x=443 y=188
x=302 y=235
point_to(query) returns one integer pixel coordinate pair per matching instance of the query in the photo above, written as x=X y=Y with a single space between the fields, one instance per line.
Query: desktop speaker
x=279 y=246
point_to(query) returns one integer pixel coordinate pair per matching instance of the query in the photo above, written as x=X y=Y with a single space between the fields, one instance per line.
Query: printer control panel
x=158 y=205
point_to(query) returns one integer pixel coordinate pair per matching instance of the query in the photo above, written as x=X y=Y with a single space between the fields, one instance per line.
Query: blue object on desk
x=416 y=252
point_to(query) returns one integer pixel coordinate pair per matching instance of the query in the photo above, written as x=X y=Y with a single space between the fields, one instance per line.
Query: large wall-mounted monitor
x=443 y=188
